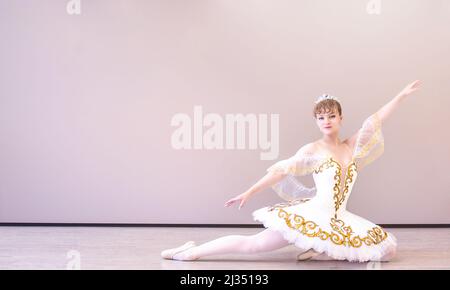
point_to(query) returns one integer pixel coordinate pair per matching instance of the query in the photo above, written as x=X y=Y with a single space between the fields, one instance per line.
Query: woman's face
x=329 y=123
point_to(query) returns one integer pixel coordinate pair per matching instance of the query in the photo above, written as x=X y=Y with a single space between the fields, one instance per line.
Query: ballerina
x=315 y=219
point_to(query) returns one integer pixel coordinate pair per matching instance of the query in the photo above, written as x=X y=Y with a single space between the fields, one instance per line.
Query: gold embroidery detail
x=289 y=203
x=325 y=165
x=341 y=234
x=339 y=195
x=336 y=188
x=374 y=139
x=374 y=236
x=339 y=199
x=374 y=155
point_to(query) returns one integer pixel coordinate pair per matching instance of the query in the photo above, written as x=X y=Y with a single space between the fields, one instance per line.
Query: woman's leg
x=267 y=240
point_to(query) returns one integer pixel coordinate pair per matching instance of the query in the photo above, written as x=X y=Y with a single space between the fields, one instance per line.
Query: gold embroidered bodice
x=334 y=184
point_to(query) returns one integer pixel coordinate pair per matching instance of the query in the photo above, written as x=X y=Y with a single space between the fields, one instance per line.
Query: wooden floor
x=140 y=247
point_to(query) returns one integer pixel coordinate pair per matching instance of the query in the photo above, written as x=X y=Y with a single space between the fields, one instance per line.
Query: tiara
x=326 y=97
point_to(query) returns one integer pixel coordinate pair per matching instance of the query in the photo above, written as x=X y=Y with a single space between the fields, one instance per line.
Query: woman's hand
x=409 y=89
x=267 y=180
x=387 y=109
x=241 y=198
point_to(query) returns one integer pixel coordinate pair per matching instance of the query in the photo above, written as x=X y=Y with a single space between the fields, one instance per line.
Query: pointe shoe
x=168 y=254
x=307 y=255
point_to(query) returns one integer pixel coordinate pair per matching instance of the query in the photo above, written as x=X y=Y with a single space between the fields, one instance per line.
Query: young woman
x=319 y=225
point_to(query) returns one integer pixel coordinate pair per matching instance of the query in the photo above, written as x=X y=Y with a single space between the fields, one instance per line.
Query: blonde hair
x=327 y=106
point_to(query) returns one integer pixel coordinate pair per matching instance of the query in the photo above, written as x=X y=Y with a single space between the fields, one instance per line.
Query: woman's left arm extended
x=389 y=108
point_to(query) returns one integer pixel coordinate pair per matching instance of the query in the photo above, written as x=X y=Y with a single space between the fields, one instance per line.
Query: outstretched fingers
x=231 y=201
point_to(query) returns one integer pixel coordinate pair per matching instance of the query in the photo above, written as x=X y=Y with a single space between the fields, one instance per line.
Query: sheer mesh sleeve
x=369 y=143
x=290 y=188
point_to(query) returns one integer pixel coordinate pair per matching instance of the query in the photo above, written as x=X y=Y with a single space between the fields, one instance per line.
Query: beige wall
x=86 y=103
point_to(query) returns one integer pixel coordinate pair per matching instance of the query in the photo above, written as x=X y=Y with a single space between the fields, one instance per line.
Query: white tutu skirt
x=344 y=237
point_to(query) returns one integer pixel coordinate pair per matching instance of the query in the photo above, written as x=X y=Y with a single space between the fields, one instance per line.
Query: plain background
x=86 y=103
